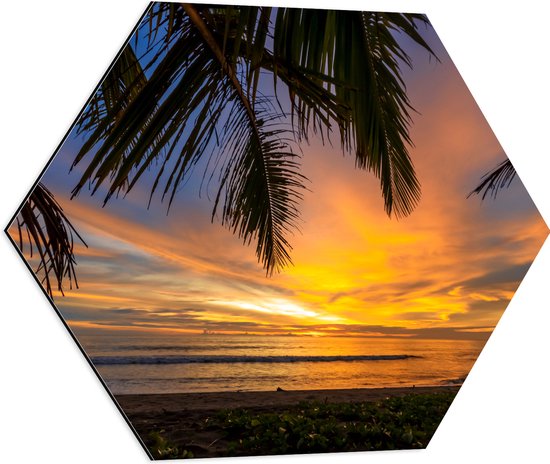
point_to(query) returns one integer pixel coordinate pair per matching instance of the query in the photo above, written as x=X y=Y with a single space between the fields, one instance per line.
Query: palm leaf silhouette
x=49 y=233
x=493 y=181
x=196 y=96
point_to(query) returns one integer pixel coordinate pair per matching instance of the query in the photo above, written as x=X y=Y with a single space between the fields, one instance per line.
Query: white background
x=52 y=407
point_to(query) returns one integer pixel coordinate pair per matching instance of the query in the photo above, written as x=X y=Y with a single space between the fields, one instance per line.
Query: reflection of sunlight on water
x=435 y=362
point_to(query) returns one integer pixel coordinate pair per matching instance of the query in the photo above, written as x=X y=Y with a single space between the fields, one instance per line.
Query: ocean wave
x=211 y=359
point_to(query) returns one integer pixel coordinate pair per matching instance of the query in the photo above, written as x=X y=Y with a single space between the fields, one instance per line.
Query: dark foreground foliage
x=395 y=423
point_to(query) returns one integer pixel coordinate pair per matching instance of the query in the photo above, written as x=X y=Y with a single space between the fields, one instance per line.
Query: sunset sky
x=447 y=271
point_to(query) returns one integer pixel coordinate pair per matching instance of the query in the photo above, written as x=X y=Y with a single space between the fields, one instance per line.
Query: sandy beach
x=182 y=416
x=204 y=403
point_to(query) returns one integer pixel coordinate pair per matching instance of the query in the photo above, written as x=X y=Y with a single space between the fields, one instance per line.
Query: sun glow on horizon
x=279 y=307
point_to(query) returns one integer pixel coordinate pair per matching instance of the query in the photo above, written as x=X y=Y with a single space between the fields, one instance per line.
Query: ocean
x=153 y=363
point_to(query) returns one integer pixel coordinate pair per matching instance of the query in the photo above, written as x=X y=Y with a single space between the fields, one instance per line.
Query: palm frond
x=191 y=88
x=144 y=126
x=354 y=57
x=261 y=178
x=260 y=188
x=495 y=180
x=50 y=234
x=164 y=18
x=197 y=95
x=124 y=81
x=382 y=117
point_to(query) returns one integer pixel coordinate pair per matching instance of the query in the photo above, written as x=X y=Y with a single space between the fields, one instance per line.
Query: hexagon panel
x=279 y=231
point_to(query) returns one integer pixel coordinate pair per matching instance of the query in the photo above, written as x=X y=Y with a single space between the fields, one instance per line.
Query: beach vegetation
x=394 y=423
x=161 y=448
x=406 y=422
